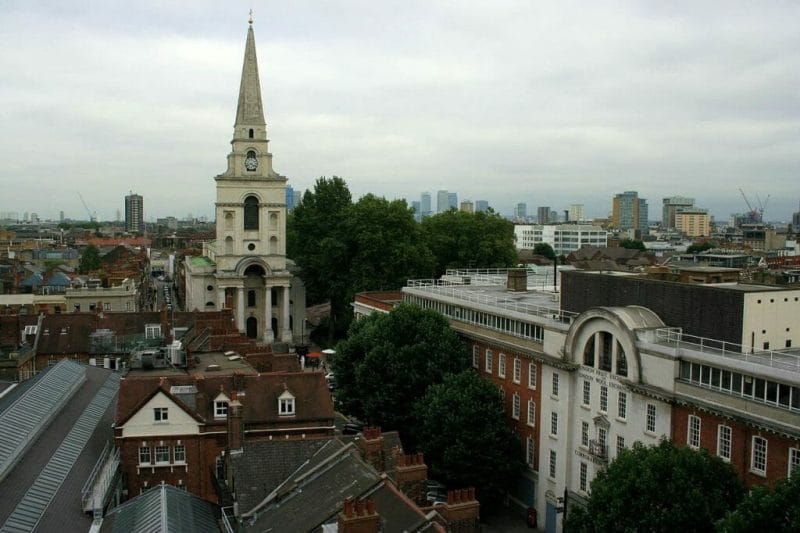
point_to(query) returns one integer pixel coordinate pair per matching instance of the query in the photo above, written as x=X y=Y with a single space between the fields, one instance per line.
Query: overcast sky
x=549 y=103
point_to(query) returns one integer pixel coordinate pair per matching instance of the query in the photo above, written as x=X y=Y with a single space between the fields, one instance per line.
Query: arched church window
x=251 y=212
x=251 y=133
x=251 y=298
x=622 y=361
x=228 y=245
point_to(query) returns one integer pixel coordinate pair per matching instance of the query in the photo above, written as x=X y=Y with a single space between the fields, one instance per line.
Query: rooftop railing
x=452 y=290
x=783 y=360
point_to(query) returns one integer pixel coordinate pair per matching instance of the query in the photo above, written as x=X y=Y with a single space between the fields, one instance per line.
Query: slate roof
x=264 y=465
x=163 y=509
x=63 y=513
x=314 y=495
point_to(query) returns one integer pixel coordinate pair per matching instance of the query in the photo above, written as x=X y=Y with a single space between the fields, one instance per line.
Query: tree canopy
x=469 y=240
x=699 y=247
x=632 y=244
x=659 y=488
x=389 y=360
x=464 y=436
x=90 y=259
x=776 y=510
x=344 y=248
x=544 y=250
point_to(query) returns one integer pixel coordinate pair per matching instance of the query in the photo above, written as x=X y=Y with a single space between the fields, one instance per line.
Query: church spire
x=250 y=112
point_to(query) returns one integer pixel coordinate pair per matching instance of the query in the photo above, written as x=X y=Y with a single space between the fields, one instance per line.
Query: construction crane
x=753 y=215
x=93 y=216
x=762 y=206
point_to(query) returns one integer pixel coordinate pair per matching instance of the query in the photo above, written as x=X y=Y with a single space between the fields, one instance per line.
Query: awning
x=314 y=355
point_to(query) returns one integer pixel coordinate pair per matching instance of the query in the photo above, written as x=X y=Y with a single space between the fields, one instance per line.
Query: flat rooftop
x=204 y=364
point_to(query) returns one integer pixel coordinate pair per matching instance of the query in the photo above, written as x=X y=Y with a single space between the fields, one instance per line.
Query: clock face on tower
x=251 y=161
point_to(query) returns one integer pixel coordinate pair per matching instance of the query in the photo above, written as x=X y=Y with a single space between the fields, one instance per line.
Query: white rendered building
x=563 y=238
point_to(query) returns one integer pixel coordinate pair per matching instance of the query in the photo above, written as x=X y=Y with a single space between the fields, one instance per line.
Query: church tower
x=245 y=269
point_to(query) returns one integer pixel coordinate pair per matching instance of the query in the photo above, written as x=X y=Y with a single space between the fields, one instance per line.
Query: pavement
x=507 y=520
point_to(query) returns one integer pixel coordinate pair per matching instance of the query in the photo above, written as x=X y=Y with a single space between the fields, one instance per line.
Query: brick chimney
x=200 y=399
x=462 y=511
x=359 y=516
x=517 y=280
x=371 y=445
x=411 y=474
x=235 y=433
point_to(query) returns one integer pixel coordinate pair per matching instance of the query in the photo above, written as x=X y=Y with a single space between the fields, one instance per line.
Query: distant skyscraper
x=629 y=212
x=796 y=221
x=521 y=211
x=425 y=205
x=671 y=206
x=415 y=208
x=452 y=200
x=481 y=206
x=543 y=214
x=576 y=213
x=134 y=213
x=442 y=201
x=467 y=207
x=61 y=216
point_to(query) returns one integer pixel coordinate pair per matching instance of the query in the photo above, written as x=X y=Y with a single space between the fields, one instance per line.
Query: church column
x=286 y=332
x=220 y=298
x=268 y=334
x=240 y=309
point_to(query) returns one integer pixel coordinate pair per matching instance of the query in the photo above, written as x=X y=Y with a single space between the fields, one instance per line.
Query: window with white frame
x=602 y=437
x=622 y=405
x=552 y=470
x=476 y=355
x=152 y=331
x=106 y=306
x=488 y=366
x=587 y=393
x=585 y=434
x=554 y=392
x=531 y=413
x=794 y=461
x=501 y=365
x=532 y=375
x=584 y=476
x=603 y=399
x=179 y=453
x=286 y=404
x=620 y=444
x=515 y=407
x=724 y=437
x=161 y=414
x=554 y=424
x=758 y=456
x=693 y=435
x=162 y=455
x=650 y=421
x=517 y=370
x=144 y=455
x=529 y=451
x=220 y=409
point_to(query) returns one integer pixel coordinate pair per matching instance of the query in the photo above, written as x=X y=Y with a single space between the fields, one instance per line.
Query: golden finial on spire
x=250 y=20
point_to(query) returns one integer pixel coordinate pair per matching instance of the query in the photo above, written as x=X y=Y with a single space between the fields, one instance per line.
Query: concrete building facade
x=629 y=212
x=670 y=207
x=134 y=213
x=693 y=222
x=563 y=238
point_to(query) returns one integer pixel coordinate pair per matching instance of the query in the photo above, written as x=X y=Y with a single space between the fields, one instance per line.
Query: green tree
x=544 y=250
x=699 y=247
x=469 y=240
x=464 y=436
x=316 y=241
x=389 y=360
x=385 y=245
x=632 y=244
x=659 y=488
x=344 y=248
x=775 y=510
x=90 y=259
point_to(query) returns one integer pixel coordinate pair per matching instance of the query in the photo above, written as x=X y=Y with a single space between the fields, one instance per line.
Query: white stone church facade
x=245 y=268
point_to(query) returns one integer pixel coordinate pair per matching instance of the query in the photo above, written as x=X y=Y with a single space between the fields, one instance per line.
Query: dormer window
x=286 y=404
x=152 y=331
x=160 y=414
x=221 y=406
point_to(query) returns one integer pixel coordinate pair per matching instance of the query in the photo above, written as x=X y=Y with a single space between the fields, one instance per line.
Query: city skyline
x=550 y=104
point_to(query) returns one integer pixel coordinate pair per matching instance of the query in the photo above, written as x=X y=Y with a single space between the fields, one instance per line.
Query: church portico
x=246 y=268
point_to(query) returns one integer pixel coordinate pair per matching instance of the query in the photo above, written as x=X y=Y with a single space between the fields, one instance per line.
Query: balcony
x=598 y=450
